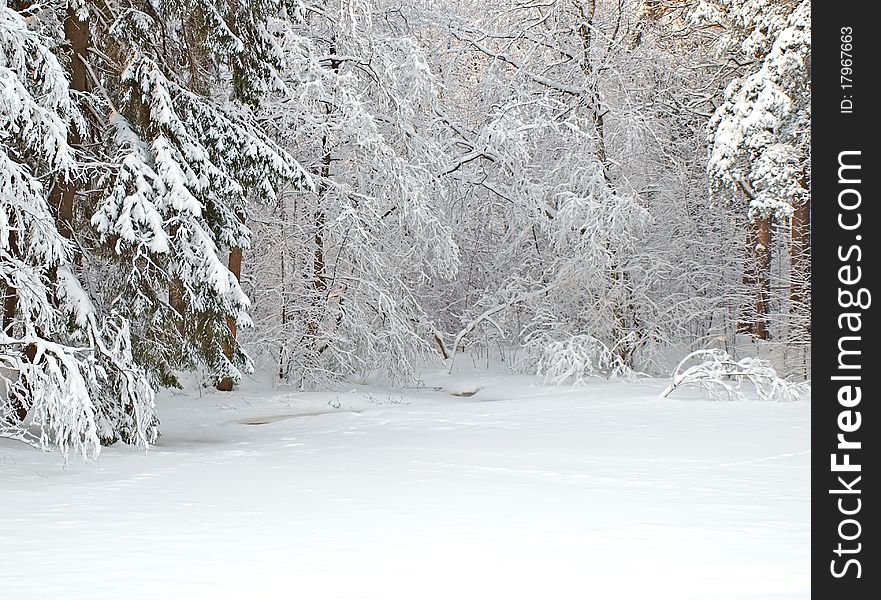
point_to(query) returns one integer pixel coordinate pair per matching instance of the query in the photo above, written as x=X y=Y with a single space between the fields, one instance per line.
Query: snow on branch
x=723 y=377
x=573 y=359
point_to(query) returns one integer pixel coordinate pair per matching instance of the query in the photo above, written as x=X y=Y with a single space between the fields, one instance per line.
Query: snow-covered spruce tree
x=760 y=137
x=175 y=80
x=345 y=271
x=67 y=374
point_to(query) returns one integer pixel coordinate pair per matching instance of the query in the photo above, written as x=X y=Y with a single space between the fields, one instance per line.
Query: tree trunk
x=225 y=384
x=800 y=264
x=229 y=345
x=10 y=309
x=176 y=292
x=799 y=330
x=18 y=398
x=10 y=295
x=63 y=195
x=763 y=267
x=319 y=276
x=283 y=349
x=319 y=280
x=757 y=279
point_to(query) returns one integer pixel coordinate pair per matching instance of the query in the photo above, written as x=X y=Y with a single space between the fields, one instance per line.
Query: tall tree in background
x=760 y=136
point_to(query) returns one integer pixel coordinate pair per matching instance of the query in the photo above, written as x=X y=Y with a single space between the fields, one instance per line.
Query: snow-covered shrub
x=722 y=376
x=573 y=359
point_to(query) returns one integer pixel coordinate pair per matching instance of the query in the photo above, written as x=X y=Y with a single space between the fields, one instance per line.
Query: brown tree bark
x=16 y=396
x=763 y=270
x=10 y=309
x=177 y=294
x=757 y=279
x=225 y=384
x=10 y=295
x=63 y=195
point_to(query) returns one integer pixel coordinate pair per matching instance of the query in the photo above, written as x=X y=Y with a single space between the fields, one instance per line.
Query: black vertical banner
x=845 y=228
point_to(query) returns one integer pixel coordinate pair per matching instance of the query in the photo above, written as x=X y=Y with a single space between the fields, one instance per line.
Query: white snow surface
x=517 y=491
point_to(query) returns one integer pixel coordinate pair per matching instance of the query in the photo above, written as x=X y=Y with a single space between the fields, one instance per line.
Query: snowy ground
x=516 y=491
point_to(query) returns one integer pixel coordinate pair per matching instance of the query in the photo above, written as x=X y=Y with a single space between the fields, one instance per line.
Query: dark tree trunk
x=235 y=267
x=63 y=195
x=319 y=274
x=10 y=310
x=10 y=295
x=757 y=279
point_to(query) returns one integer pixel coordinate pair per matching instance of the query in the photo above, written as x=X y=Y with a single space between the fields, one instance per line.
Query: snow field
x=517 y=491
